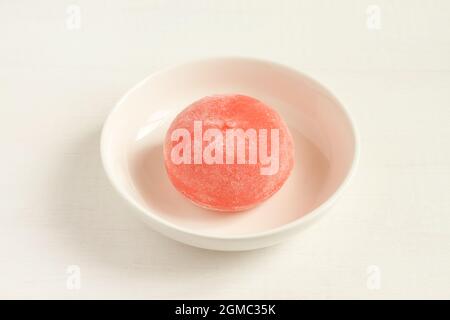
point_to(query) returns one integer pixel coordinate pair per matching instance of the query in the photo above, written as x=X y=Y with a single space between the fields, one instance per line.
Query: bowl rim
x=310 y=215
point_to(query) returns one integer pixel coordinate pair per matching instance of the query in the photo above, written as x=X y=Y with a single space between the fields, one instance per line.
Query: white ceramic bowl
x=325 y=141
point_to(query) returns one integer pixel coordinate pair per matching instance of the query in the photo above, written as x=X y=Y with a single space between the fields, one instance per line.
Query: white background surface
x=57 y=209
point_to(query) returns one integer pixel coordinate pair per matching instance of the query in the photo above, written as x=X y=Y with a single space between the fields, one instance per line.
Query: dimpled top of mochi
x=229 y=187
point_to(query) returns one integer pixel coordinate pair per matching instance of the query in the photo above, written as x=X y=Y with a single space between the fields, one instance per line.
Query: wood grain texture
x=57 y=85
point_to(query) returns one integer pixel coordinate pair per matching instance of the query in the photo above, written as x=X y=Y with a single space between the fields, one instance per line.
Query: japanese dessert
x=228 y=152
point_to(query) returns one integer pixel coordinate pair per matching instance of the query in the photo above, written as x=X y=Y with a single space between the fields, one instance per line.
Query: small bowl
x=326 y=150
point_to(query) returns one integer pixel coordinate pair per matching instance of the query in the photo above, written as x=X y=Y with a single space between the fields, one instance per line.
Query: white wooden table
x=65 y=234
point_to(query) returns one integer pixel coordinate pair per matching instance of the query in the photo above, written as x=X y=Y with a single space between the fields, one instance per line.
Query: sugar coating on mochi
x=233 y=184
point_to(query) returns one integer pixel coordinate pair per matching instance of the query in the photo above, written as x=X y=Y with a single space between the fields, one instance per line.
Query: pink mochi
x=227 y=186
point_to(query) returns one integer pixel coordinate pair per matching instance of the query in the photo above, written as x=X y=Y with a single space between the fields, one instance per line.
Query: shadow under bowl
x=326 y=150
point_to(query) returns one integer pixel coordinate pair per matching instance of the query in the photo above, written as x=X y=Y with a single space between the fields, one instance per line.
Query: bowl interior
x=134 y=133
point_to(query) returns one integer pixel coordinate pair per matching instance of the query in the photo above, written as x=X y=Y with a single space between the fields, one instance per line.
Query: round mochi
x=201 y=165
